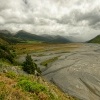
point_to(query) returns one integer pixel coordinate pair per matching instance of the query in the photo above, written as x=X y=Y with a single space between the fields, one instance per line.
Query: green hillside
x=7 y=37
x=95 y=40
x=2 y=41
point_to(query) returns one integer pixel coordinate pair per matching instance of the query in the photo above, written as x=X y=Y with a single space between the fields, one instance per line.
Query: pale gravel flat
x=76 y=72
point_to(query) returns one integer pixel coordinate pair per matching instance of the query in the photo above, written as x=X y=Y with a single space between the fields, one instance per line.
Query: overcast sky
x=76 y=19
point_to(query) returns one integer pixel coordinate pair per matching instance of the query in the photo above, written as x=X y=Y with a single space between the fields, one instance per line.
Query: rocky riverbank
x=78 y=72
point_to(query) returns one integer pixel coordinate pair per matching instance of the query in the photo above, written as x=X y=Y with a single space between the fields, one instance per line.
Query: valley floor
x=74 y=68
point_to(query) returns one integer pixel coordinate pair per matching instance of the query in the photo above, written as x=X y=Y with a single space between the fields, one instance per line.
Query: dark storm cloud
x=92 y=17
x=76 y=16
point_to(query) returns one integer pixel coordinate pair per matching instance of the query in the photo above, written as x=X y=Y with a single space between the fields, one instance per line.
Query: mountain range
x=23 y=36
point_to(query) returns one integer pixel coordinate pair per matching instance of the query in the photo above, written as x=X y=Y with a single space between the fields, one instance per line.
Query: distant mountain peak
x=6 y=32
x=44 y=38
x=22 y=31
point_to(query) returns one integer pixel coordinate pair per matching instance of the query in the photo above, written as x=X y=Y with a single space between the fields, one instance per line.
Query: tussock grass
x=28 y=87
x=23 y=48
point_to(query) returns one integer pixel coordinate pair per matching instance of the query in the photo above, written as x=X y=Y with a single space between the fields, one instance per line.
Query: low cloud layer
x=79 y=20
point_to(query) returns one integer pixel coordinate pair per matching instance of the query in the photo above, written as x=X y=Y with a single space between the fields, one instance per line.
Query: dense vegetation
x=6 y=53
x=30 y=67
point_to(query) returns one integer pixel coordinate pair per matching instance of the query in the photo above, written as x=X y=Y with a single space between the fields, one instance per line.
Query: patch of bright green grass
x=46 y=62
x=30 y=86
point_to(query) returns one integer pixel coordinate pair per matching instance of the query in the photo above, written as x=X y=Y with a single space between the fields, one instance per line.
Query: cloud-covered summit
x=76 y=19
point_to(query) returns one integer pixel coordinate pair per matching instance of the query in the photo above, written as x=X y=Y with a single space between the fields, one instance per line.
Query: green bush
x=29 y=86
x=29 y=66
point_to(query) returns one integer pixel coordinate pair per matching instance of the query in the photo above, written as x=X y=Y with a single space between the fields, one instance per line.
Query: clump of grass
x=2 y=94
x=11 y=75
x=30 y=86
x=7 y=92
x=46 y=62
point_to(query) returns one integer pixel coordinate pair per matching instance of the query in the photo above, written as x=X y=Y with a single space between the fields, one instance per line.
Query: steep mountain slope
x=23 y=36
x=27 y=36
x=44 y=38
x=56 y=39
x=7 y=37
x=5 y=33
x=95 y=40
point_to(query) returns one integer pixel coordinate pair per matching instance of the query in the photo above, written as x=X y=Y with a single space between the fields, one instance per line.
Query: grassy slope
x=17 y=85
x=3 y=41
x=95 y=40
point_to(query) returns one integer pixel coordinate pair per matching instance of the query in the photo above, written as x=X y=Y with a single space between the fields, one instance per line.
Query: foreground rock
x=77 y=72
